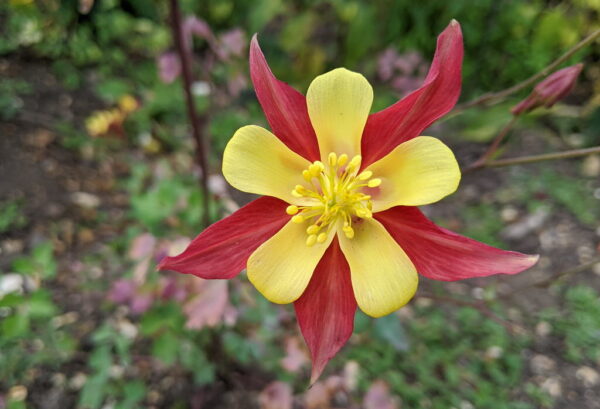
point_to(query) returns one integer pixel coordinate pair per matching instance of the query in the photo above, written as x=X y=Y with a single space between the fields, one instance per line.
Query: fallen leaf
x=277 y=395
x=378 y=397
x=295 y=357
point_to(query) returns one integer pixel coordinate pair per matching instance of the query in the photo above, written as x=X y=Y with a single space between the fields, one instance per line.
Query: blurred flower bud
x=550 y=90
x=169 y=67
x=128 y=104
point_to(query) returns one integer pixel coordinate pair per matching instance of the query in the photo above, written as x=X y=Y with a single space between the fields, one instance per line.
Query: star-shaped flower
x=338 y=225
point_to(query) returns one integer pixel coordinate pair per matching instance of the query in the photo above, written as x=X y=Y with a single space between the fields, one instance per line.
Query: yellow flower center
x=336 y=190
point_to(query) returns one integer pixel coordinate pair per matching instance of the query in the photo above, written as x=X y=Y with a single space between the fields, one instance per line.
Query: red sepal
x=326 y=309
x=284 y=107
x=221 y=251
x=407 y=118
x=443 y=255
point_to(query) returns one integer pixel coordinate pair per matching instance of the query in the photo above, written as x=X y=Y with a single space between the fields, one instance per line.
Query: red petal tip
x=326 y=309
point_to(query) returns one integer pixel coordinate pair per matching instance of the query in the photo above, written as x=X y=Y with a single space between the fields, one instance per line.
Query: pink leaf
x=169 y=67
x=295 y=357
x=277 y=395
x=208 y=306
x=378 y=397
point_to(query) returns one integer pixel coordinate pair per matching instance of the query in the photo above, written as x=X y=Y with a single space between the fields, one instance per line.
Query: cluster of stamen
x=337 y=193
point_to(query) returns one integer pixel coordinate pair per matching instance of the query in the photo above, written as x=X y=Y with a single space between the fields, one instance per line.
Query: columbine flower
x=337 y=225
x=551 y=90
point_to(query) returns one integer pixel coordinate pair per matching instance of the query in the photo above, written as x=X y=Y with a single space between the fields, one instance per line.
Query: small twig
x=543 y=157
x=196 y=122
x=495 y=97
x=565 y=273
x=481 y=162
x=479 y=306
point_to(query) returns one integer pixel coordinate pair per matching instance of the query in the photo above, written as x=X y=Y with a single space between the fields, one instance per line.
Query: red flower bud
x=550 y=90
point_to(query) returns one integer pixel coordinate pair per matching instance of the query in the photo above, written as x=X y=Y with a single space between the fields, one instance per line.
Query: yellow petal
x=383 y=277
x=338 y=105
x=283 y=265
x=418 y=172
x=256 y=161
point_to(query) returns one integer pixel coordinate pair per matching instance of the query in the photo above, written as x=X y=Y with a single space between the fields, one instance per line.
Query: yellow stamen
x=365 y=175
x=374 y=182
x=312 y=229
x=337 y=191
x=311 y=240
x=291 y=210
x=332 y=158
x=355 y=162
x=348 y=231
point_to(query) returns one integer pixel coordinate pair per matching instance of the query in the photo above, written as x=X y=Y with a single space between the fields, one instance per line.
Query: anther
x=311 y=240
x=342 y=159
x=312 y=229
x=365 y=175
x=306 y=175
x=291 y=210
x=374 y=182
x=322 y=237
x=348 y=231
x=298 y=219
x=314 y=169
x=355 y=162
x=332 y=159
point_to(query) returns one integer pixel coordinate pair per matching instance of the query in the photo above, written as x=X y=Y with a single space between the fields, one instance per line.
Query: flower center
x=336 y=191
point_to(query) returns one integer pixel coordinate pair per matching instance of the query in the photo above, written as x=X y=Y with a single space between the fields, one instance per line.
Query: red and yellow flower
x=337 y=226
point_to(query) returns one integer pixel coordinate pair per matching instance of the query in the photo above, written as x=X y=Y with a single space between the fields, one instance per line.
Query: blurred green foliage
x=29 y=319
x=578 y=324
x=514 y=38
x=11 y=215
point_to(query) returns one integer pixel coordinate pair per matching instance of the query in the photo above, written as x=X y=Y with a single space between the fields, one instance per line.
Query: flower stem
x=198 y=124
x=492 y=98
x=481 y=162
x=543 y=157
x=478 y=305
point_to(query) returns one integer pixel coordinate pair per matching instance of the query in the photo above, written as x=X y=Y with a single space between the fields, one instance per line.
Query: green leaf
x=134 y=392
x=161 y=317
x=101 y=359
x=40 y=305
x=112 y=89
x=390 y=329
x=194 y=359
x=15 y=326
x=12 y=300
x=165 y=348
x=92 y=394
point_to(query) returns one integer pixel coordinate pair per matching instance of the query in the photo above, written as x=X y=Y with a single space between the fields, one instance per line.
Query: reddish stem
x=481 y=162
x=198 y=123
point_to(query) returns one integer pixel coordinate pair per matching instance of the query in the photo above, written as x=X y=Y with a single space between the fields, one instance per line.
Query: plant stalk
x=198 y=123
x=543 y=157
